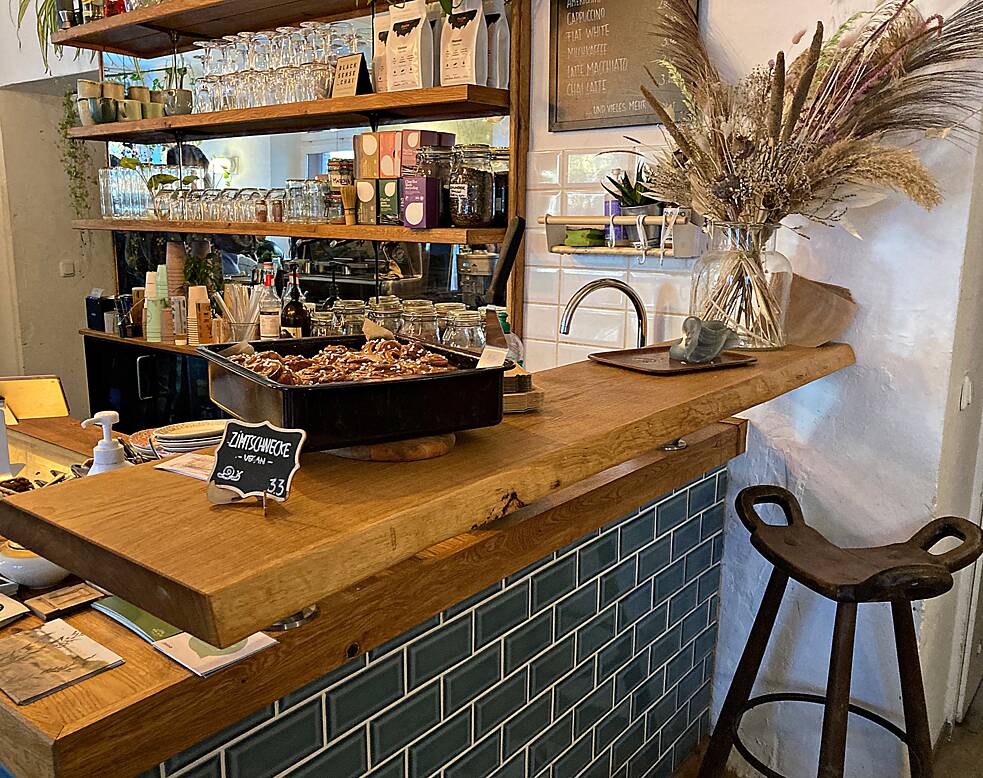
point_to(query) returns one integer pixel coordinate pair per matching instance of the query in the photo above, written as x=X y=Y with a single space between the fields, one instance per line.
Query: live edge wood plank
x=126 y=720
x=431 y=104
x=224 y=572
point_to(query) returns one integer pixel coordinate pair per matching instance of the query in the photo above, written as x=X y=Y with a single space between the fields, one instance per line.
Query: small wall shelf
x=686 y=240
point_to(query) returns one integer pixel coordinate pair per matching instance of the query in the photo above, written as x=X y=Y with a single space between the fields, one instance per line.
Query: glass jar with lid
x=501 y=159
x=464 y=331
x=386 y=313
x=471 y=186
x=385 y=298
x=297 y=211
x=316 y=194
x=435 y=162
x=322 y=324
x=276 y=204
x=419 y=323
x=341 y=172
x=348 y=316
x=444 y=311
x=335 y=209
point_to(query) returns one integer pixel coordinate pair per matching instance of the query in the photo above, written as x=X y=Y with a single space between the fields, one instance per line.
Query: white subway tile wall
x=569 y=182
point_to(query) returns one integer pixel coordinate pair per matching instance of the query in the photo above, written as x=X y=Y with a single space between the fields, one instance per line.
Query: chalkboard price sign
x=599 y=50
x=257 y=460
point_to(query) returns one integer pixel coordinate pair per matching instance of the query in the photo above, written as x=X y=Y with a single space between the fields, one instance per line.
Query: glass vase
x=742 y=281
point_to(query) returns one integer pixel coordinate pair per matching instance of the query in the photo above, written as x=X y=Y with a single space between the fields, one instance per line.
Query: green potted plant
x=633 y=196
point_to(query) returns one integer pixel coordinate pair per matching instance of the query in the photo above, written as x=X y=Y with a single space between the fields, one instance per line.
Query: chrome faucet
x=607 y=283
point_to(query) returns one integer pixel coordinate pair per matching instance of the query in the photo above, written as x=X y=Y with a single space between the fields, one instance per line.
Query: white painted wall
x=20 y=55
x=864 y=448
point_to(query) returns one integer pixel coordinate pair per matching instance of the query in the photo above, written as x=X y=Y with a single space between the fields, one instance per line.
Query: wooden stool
x=898 y=574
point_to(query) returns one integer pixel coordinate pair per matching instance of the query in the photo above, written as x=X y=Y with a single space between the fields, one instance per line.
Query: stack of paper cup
x=176 y=259
x=196 y=294
x=162 y=282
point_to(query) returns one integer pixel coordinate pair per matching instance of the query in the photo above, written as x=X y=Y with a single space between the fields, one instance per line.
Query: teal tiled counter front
x=593 y=662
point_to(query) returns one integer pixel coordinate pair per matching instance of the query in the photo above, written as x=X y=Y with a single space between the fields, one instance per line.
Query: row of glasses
x=124 y=194
x=223 y=205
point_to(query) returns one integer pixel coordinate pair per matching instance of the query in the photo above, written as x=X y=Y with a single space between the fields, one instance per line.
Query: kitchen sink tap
x=607 y=283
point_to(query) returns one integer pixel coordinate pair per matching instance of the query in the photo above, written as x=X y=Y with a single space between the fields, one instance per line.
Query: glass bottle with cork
x=294 y=317
x=269 y=306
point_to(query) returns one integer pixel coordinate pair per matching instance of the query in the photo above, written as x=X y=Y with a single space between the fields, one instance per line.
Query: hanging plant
x=47 y=24
x=75 y=159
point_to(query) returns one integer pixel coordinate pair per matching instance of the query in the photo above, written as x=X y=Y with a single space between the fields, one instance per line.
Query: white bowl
x=27 y=568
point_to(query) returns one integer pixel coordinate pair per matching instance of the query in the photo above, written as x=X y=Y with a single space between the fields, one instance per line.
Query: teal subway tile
x=525 y=725
x=593 y=708
x=664 y=768
x=705 y=642
x=198 y=750
x=679 y=665
x=705 y=725
x=473 y=600
x=653 y=626
x=620 y=520
x=674 y=728
x=618 y=582
x=467 y=681
x=648 y=693
x=611 y=726
x=527 y=641
x=405 y=638
x=714 y=602
x=708 y=668
x=596 y=633
x=669 y=581
x=598 y=556
x=574 y=610
x=682 y=603
x=528 y=570
x=480 y=761
x=573 y=688
x=699 y=702
x=573 y=762
x=698 y=560
x=550 y=666
x=722 y=484
x=646 y=758
x=576 y=544
x=322 y=683
x=622 y=772
x=431 y=655
x=702 y=496
x=357 y=698
x=685 y=538
x=630 y=676
x=210 y=769
x=686 y=744
x=689 y=684
x=709 y=583
x=635 y=605
x=695 y=622
x=346 y=759
x=283 y=742
x=661 y=712
x=670 y=513
x=712 y=522
x=653 y=558
x=718 y=548
x=404 y=722
x=440 y=746
x=666 y=647
x=628 y=744
x=548 y=746
x=599 y=768
x=501 y=614
x=394 y=768
x=500 y=703
x=513 y=768
x=614 y=656
x=636 y=533
x=553 y=583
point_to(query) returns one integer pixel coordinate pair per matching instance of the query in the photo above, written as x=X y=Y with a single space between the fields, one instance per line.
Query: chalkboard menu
x=599 y=50
x=256 y=460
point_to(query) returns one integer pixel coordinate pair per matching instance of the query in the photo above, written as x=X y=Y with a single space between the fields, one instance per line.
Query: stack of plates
x=178 y=438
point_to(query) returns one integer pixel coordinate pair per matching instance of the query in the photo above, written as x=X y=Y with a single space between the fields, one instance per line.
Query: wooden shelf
x=630 y=250
x=171 y=346
x=459 y=235
x=146 y=32
x=433 y=104
x=223 y=573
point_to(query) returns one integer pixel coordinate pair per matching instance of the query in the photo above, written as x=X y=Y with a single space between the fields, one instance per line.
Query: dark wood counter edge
x=148 y=725
x=140 y=342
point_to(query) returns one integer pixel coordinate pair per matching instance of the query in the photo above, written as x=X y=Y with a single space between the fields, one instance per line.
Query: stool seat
x=899 y=572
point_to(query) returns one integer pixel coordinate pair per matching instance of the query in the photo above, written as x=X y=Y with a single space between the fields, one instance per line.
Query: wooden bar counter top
x=379 y=547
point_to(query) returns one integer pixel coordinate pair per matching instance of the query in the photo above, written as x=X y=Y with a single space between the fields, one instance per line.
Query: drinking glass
x=227 y=207
x=106 y=193
x=321 y=79
x=212 y=53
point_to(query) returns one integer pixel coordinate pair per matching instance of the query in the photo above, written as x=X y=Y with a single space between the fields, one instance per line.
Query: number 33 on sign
x=255 y=460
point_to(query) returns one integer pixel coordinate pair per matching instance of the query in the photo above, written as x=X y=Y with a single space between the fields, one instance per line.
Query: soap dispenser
x=108 y=454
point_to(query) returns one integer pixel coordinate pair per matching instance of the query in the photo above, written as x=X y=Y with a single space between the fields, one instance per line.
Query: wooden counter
x=224 y=572
x=130 y=718
x=162 y=346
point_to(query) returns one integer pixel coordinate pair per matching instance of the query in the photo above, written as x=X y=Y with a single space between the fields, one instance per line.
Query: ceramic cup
x=178 y=101
x=88 y=88
x=113 y=89
x=157 y=96
x=153 y=111
x=85 y=115
x=27 y=568
x=103 y=110
x=130 y=110
x=140 y=93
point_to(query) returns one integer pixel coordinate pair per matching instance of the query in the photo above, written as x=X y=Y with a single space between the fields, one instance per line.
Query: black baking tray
x=355 y=413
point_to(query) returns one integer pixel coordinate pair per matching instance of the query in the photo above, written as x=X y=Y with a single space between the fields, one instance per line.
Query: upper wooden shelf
x=453 y=235
x=146 y=32
x=433 y=104
x=223 y=572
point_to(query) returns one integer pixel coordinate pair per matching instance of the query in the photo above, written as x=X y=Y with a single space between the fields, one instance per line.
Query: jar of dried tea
x=472 y=187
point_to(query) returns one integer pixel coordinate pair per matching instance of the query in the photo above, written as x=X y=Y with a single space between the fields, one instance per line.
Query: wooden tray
x=655 y=360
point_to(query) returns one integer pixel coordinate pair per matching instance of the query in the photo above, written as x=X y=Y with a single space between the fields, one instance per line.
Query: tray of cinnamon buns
x=347 y=391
